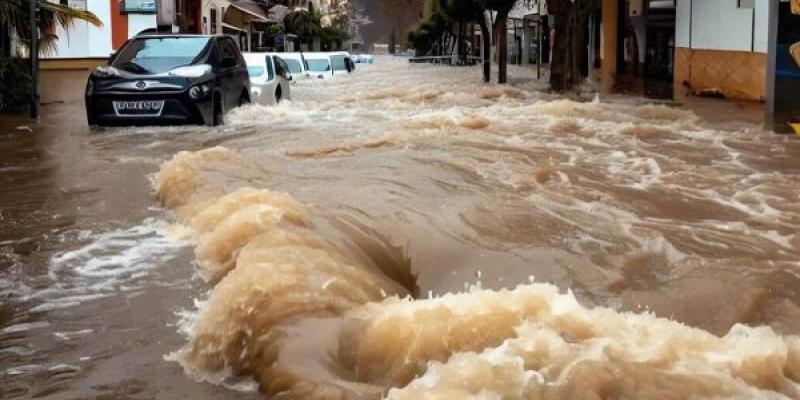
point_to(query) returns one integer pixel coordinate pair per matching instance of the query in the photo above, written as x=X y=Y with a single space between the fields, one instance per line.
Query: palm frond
x=66 y=15
x=12 y=13
x=15 y=14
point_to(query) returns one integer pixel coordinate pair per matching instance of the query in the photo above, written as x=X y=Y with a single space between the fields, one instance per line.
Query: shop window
x=138 y=6
x=76 y=4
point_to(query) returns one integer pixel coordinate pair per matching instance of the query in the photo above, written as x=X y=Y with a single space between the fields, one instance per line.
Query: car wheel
x=278 y=94
x=218 y=117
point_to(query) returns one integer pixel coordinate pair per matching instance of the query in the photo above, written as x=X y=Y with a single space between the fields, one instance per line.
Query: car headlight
x=106 y=71
x=196 y=92
x=89 y=88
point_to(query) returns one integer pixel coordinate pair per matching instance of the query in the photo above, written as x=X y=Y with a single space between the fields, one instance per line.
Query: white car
x=269 y=78
x=319 y=65
x=342 y=63
x=363 y=58
x=297 y=65
x=326 y=65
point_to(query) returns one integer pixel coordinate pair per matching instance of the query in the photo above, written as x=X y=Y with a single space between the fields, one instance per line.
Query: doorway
x=646 y=40
x=659 y=49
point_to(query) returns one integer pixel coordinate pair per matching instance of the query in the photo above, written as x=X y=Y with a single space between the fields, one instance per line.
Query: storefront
x=247 y=21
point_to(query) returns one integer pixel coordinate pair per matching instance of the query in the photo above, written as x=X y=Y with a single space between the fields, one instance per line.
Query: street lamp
x=34 y=54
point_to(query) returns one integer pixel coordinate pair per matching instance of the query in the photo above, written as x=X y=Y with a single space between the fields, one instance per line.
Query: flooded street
x=409 y=232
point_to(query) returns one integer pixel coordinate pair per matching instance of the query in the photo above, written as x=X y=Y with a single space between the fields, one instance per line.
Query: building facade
x=84 y=46
x=675 y=48
x=721 y=45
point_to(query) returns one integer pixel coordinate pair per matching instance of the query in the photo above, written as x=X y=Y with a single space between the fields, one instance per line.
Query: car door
x=272 y=81
x=339 y=64
x=230 y=72
x=282 y=77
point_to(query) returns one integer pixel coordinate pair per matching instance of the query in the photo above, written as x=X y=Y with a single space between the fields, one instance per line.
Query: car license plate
x=139 y=107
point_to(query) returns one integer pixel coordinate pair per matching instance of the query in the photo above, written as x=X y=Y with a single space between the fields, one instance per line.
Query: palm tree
x=304 y=24
x=14 y=14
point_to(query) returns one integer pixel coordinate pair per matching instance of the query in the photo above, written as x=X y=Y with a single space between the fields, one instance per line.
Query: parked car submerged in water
x=296 y=62
x=326 y=65
x=269 y=78
x=342 y=63
x=169 y=80
x=362 y=58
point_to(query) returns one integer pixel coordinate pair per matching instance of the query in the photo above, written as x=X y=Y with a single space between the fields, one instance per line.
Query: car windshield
x=255 y=72
x=294 y=66
x=338 y=63
x=318 y=65
x=158 y=55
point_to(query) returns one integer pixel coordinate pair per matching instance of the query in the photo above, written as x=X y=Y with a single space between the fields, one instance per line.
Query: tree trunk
x=502 y=46
x=487 y=49
x=460 y=42
x=570 y=43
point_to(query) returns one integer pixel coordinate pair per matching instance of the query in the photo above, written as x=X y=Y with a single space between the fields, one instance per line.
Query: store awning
x=252 y=9
x=235 y=28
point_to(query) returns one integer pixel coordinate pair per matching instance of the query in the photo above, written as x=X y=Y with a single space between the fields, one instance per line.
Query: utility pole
x=539 y=41
x=34 y=54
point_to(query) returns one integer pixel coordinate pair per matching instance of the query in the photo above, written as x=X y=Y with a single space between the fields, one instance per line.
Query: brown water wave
x=315 y=305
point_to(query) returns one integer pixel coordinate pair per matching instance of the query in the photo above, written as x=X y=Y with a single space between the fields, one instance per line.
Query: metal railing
x=449 y=60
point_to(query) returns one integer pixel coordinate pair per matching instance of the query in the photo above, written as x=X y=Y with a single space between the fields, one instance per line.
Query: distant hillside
x=400 y=15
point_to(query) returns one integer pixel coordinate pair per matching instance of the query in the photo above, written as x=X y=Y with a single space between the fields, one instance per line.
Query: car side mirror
x=111 y=57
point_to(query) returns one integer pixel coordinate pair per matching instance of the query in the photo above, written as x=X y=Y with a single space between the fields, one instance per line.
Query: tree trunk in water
x=502 y=46
x=487 y=49
x=460 y=43
x=570 y=43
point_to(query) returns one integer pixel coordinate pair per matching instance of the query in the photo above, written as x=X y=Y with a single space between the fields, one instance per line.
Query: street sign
x=783 y=69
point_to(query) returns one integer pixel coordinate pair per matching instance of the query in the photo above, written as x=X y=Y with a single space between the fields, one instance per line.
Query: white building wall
x=100 y=38
x=762 y=26
x=84 y=40
x=72 y=44
x=682 y=23
x=721 y=25
x=140 y=22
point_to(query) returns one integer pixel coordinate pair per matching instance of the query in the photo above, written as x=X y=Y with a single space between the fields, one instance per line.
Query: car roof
x=293 y=56
x=177 y=35
x=317 y=56
x=260 y=57
x=261 y=53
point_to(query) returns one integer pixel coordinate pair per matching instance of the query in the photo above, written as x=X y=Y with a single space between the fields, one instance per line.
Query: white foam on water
x=71 y=335
x=24 y=327
x=582 y=177
x=112 y=262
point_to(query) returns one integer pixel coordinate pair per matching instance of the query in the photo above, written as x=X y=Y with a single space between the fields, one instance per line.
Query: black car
x=169 y=80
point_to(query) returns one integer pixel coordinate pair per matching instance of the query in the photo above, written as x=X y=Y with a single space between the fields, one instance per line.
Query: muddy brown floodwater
x=404 y=232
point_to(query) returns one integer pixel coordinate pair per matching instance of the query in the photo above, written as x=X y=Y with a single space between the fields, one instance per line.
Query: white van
x=319 y=65
x=297 y=64
x=269 y=78
x=342 y=63
x=325 y=65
